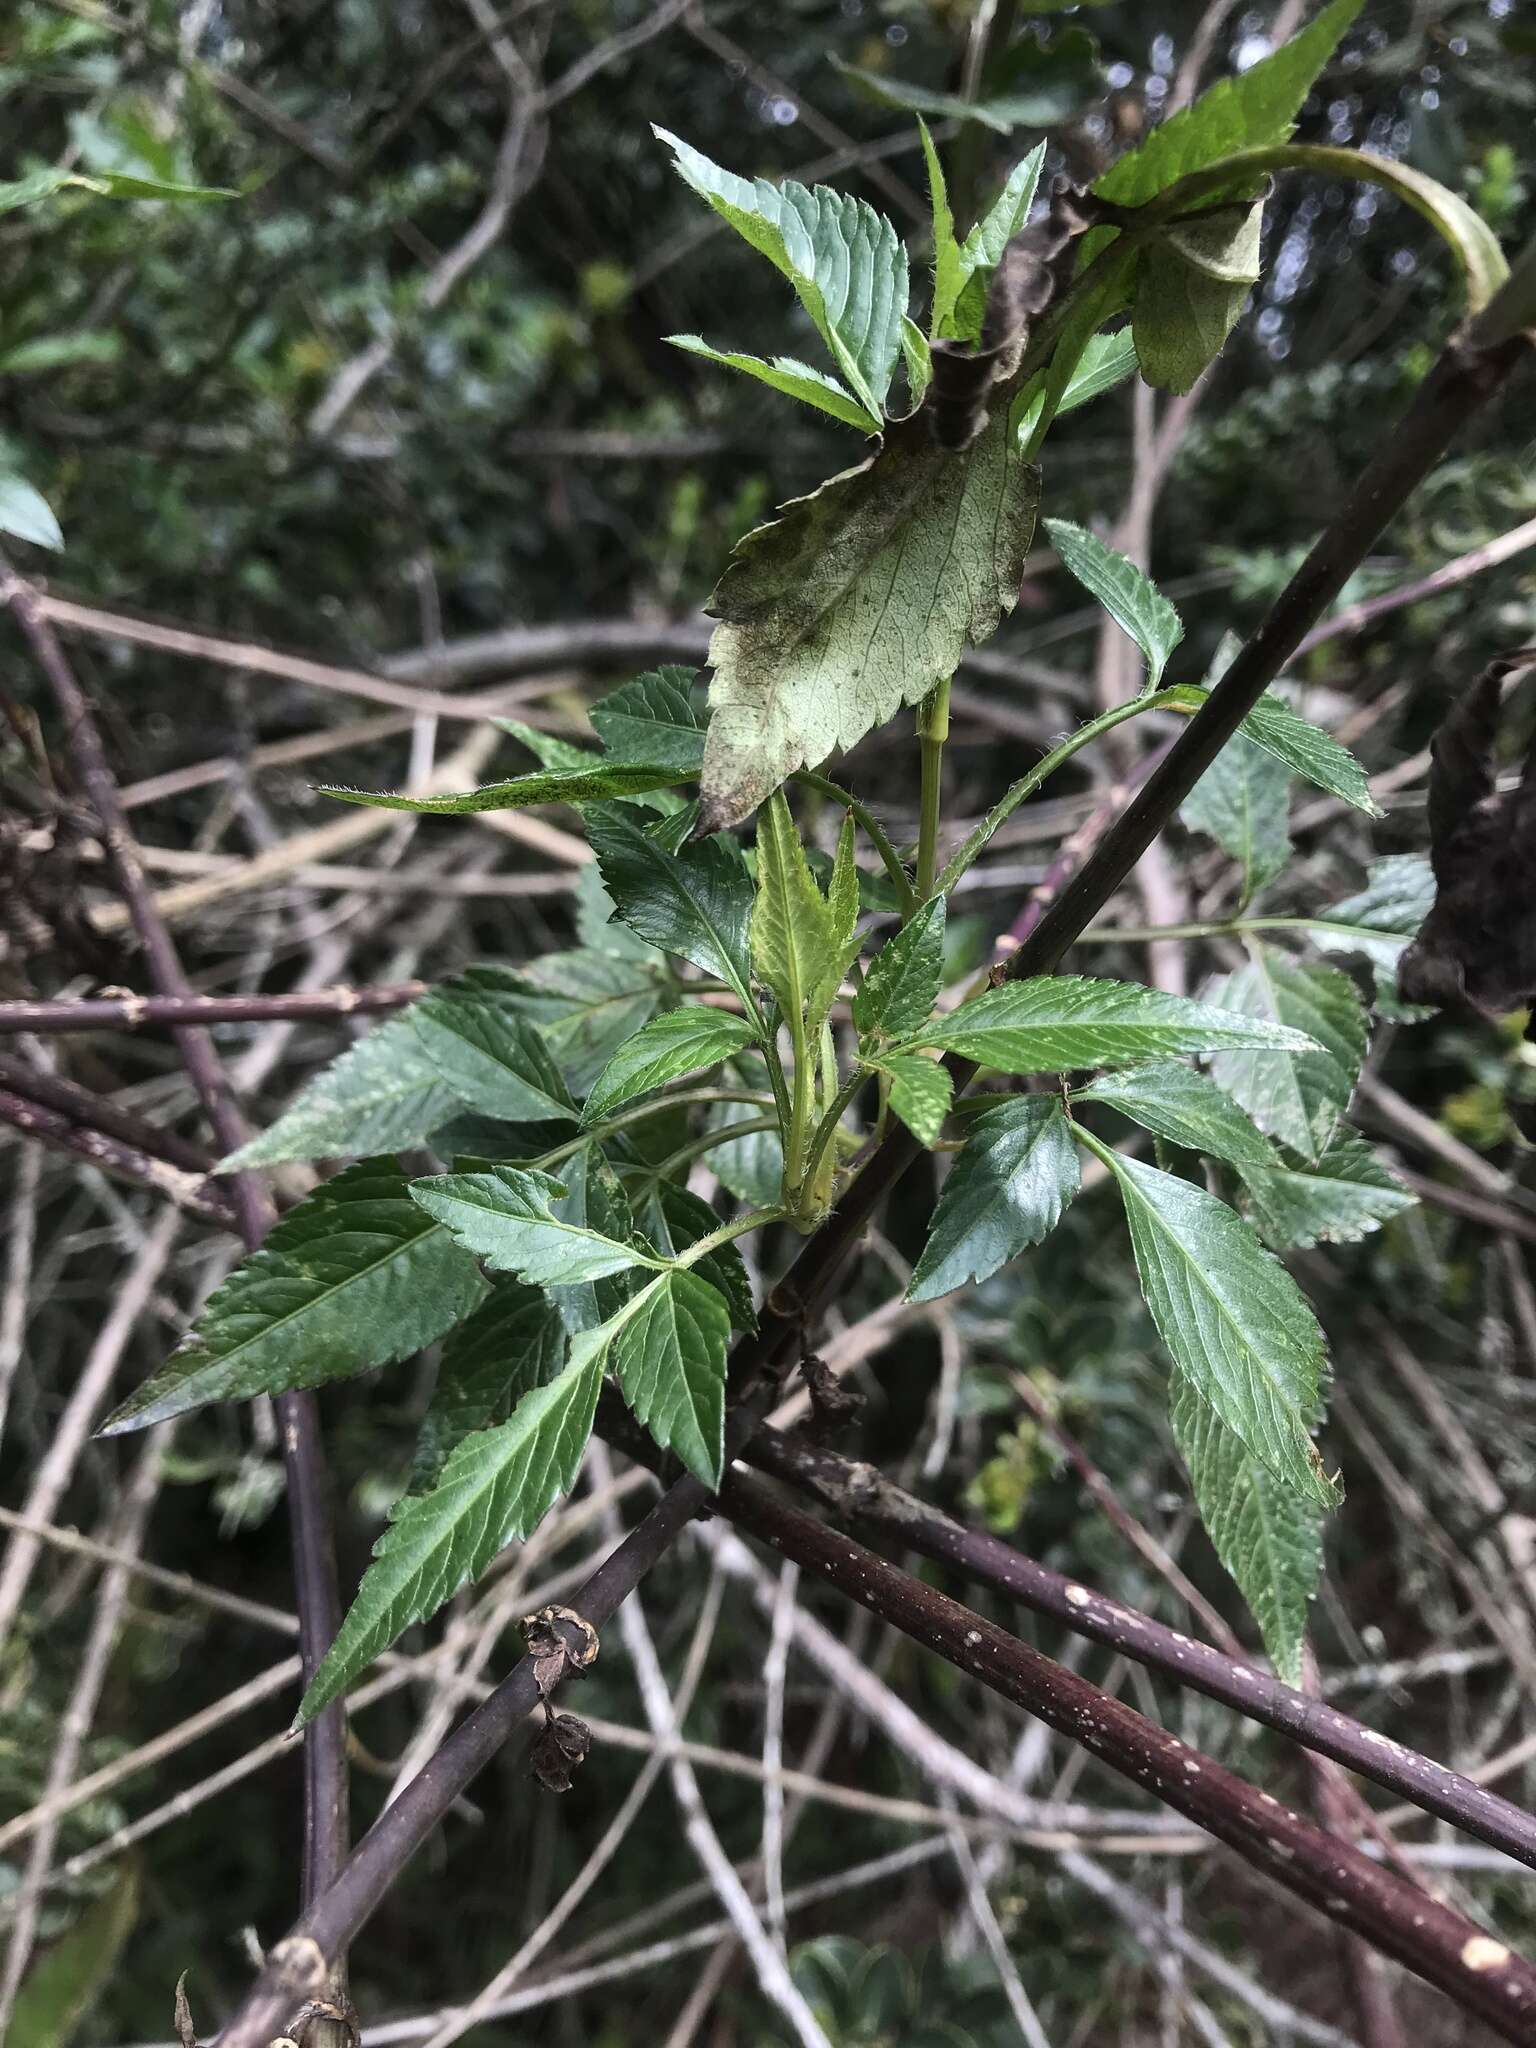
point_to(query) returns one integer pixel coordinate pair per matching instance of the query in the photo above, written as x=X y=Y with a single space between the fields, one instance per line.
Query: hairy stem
x=932 y=732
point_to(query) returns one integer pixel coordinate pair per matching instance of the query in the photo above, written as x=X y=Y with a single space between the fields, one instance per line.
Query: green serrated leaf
x=1258 y=106
x=857 y=600
x=675 y=1043
x=1177 y=1103
x=489 y=1057
x=354 y=1277
x=1192 y=283
x=603 y=779
x=793 y=940
x=844 y=260
x=514 y=1342
x=1298 y=1096
x=752 y=1168
x=1057 y=1022
x=1038 y=85
x=495 y=1488
x=918 y=358
x=949 y=273
x=651 y=718
x=1379 y=921
x=582 y=1005
x=67 y=1979
x=921 y=1091
x=674 y=1219
x=595 y=1200
x=1132 y=600
x=982 y=249
x=1305 y=749
x=508 y=1217
x=696 y=902
x=901 y=984
x=1269 y=1538
x=1242 y=801
x=1338 y=1198
x=794 y=380
x=1230 y=1315
x=381 y=1095
x=25 y=512
x=1015 y=1174
x=669 y=1359
x=560 y=756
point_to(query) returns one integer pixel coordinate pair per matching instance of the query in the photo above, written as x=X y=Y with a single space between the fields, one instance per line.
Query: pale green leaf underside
x=1016 y=1173
x=1269 y=1539
x=1304 y=748
x=795 y=380
x=1132 y=600
x=382 y=1094
x=495 y=1488
x=1231 y=1317
x=354 y=1277
x=677 y=1042
x=490 y=1058
x=857 y=600
x=506 y=1216
x=1175 y=1102
x=1058 y=1022
x=26 y=513
x=1338 y=1198
x=845 y=261
x=1296 y=1097
x=1242 y=802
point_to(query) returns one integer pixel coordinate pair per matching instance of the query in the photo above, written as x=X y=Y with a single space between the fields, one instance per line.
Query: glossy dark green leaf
x=673 y=1218
x=355 y=1276
x=514 y=1342
x=381 y=1095
x=495 y=1488
x=491 y=1059
x=668 y=1355
x=695 y=902
x=1016 y=1173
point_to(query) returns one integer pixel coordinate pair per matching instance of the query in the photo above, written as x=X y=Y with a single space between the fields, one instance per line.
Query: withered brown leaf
x=1477 y=947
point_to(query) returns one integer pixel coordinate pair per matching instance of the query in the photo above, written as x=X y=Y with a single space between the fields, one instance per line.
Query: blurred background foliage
x=531 y=452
